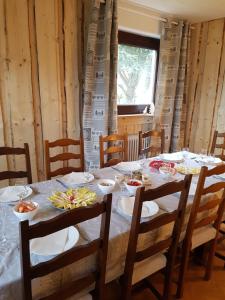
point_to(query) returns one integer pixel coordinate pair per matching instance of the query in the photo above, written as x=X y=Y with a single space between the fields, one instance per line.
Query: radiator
x=133 y=147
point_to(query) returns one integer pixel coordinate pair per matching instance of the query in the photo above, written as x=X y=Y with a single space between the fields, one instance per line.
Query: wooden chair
x=17 y=174
x=204 y=222
x=141 y=264
x=221 y=146
x=63 y=157
x=145 y=141
x=111 y=150
x=64 y=220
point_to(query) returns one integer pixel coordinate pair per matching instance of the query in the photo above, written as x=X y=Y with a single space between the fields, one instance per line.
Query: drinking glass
x=185 y=152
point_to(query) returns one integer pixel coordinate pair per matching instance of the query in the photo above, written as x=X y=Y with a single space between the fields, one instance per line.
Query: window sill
x=135 y=115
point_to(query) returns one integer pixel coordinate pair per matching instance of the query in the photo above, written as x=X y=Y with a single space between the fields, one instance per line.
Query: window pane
x=136 y=75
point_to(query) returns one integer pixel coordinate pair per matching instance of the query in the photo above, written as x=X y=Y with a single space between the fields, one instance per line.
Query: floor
x=195 y=288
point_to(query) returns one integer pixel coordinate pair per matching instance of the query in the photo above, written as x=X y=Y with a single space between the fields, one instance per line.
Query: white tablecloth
x=10 y=270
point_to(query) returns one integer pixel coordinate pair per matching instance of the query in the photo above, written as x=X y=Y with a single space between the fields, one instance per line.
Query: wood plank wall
x=39 y=86
x=206 y=102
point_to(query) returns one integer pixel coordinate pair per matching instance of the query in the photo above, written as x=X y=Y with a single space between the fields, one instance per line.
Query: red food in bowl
x=133 y=183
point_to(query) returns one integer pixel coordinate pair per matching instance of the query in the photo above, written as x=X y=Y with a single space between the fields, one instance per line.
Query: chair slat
x=206 y=221
x=73 y=288
x=65 y=259
x=9 y=174
x=209 y=205
x=157 y=222
x=152 y=250
x=109 y=152
x=213 y=188
x=64 y=156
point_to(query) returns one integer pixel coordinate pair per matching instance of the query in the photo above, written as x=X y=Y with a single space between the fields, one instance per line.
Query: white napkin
x=77 y=178
x=11 y=193
x=177 y=156
x=128 y=166
x=126 y=205
x=51 y=244
x=210 y=160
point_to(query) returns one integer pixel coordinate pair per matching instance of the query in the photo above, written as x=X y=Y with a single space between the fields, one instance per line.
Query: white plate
x=209 y=160
x=126 y=205
x=128 y=166
x=12 y=193
x=77 y=178
x=50 y=245
x=172 y=157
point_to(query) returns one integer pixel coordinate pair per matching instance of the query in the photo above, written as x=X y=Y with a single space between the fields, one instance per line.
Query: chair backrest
x=209 y=211
x=121 y=149
x=138 y=227
x=145 y=142
x=17 y=174
x=66 y=156
x=64 y=220
x=221 y=146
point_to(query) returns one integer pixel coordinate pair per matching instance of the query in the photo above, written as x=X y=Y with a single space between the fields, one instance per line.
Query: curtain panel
x=172 y=83
x=99 y=102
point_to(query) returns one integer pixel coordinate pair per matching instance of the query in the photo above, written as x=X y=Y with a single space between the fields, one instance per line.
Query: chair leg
x=182 y=273
x=209 y=264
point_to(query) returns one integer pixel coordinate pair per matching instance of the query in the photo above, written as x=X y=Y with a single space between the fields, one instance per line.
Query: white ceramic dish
x=108 y=187
x=77 y=178
x=50 y=244
x=26 y=215
x=128 y=166
x=167 y=171
x=13 y=193
x=132 y=188
x=172 y=157
x=126 y=205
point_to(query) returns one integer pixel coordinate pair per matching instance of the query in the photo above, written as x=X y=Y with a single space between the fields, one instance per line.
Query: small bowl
x=26 y=215
x=133 y=188
x=106 y=185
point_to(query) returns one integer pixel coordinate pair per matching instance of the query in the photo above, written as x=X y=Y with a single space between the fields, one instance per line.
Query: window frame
x=131 y=39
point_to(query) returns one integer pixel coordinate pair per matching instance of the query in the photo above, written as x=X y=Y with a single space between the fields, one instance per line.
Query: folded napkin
x=126 y=205
x=128 y=166
x=77 y=178
x=51 y=244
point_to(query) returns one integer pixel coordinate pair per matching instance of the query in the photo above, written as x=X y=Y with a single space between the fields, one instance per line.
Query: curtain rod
x=154 y=17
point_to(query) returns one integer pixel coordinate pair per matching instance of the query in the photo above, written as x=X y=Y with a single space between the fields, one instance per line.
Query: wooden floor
x=195 y=287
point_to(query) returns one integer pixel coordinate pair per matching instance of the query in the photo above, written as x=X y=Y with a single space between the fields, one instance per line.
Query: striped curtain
x=100 y=69
x=172 y=83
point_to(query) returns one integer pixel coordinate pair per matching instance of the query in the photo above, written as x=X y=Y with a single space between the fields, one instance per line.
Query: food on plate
x=73 y=198
x=167 y=170
x=25 y=206
x=137 y=175
x=156 y=164
x=105 y=183
x=188 y=170
x=134 y=183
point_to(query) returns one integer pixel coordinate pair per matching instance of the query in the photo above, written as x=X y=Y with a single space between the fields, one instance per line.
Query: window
x=137 y=70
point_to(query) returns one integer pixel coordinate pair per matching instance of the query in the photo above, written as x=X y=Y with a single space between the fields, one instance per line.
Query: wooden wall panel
x=39 y=88
x=206 y=84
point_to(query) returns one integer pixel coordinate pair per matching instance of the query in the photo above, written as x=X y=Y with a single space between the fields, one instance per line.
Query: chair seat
x=203 y=235
x=148 y=266
x=86 y=297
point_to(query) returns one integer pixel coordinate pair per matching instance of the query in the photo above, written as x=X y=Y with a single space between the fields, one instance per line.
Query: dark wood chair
x=152 y=258
x=65 y=157
x=220 y=147
x=17 y=174
x=116 y=145
x=64 y=220
x=204 y=223
x=147 y=147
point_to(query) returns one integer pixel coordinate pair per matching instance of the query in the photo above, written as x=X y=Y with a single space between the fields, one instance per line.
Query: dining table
x=10 y=268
